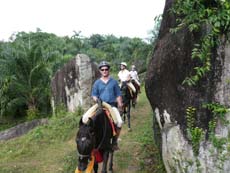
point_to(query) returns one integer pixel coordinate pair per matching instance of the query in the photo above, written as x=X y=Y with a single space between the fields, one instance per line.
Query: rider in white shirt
x=135 y=78
x=134 y=75
x=124 y=76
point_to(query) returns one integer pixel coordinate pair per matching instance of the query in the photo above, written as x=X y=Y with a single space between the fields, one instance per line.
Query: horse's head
x=85 y=140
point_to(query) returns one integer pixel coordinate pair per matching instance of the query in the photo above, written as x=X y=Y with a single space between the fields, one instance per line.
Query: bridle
x=82 y=156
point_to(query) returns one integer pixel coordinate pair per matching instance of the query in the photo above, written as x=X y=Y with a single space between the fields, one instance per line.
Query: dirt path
x=132 y=158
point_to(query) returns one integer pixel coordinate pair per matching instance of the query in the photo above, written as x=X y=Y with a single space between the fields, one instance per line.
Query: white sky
x=132 y=18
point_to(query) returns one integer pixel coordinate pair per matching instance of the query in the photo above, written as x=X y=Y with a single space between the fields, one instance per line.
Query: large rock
x=21 y=129
x=72 y=84
x=170 y=65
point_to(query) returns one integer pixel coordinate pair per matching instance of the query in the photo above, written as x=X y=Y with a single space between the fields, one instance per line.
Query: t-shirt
x=124 y=75
x=134 y=75
x=107 y=92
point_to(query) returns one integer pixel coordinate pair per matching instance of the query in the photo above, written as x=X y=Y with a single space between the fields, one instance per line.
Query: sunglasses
x=105 y=69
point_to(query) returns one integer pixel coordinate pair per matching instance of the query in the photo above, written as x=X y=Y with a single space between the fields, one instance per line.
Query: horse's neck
x=103 y=131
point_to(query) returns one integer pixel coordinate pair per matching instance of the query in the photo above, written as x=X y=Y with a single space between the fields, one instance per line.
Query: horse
x=126 y=98
x=97 y=136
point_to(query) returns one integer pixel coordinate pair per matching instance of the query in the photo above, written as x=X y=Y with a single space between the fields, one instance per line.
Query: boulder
x=171 y=63
x=72 y=84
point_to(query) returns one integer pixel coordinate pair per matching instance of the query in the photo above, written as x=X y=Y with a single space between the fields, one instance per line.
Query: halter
x=83 y=155
x=92 y=137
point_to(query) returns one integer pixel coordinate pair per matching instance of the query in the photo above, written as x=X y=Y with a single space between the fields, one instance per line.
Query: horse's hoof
x=129 y=129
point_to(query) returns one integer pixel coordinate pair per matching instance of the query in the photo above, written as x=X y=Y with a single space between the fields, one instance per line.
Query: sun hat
x=123 y=63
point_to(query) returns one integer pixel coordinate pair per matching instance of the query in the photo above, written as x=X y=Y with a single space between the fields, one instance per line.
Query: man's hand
x=120 y=107
x=95 y=98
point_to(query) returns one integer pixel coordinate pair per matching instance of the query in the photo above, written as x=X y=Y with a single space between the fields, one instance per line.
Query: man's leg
x=118 y=129
x=115 y=139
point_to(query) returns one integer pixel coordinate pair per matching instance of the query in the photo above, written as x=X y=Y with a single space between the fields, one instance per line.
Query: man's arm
x=137 y=76
x=94 y=92
x=128 y=75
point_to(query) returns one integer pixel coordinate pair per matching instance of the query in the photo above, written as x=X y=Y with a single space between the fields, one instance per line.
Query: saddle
x=131 y=87
x=110 y=113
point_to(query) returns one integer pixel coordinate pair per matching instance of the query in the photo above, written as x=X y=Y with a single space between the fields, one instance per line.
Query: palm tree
x=26 y=69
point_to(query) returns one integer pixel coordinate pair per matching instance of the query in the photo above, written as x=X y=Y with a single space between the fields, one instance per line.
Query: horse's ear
x=90 y=122
x=80 y=122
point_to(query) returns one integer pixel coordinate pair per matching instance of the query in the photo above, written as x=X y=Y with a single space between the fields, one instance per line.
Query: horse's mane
x=103 y=130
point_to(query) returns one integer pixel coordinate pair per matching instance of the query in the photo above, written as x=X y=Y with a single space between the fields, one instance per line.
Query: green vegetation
x=29 y=60
x=195 y=134
x=196 y=15
x=218 y=113
x=47 y=148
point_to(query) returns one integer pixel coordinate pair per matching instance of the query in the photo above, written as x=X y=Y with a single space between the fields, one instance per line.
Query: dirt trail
x=130 y=156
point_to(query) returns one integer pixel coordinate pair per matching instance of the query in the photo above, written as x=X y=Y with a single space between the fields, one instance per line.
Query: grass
x=51 y=148
x=44 y=149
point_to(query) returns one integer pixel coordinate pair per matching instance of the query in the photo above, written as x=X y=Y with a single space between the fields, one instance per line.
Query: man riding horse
x=135 y=78
x=124 y=76
x=107 y=89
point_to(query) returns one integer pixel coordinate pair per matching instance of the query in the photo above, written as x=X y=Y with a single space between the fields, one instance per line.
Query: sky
x=131 y=18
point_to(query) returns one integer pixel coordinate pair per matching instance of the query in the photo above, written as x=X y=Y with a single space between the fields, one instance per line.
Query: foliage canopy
x=29 y=60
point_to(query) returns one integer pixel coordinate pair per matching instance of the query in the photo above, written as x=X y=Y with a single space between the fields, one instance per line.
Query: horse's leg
x=105 y=161
x=123 y=115
x=95 y=167
x=134 y=101
x=128 y=115
x=111 y=162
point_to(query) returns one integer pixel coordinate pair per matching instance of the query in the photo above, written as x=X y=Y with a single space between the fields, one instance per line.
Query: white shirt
x=134 y=75
x=124 y=75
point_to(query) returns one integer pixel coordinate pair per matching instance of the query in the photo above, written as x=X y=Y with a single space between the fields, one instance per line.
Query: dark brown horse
x=95 y=135
x=126 y=98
